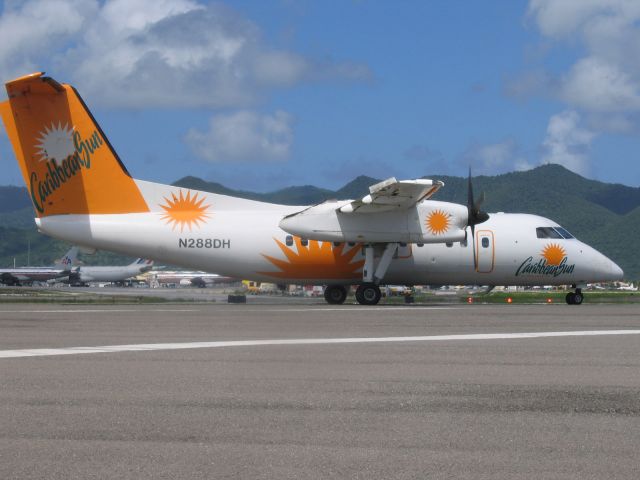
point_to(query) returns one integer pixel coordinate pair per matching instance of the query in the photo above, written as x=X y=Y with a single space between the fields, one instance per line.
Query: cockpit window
x=564 y=233
x=553 y=232
x=547 y=232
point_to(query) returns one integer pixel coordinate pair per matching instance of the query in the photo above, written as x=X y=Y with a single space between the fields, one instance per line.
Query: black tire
x=570 y=298
x=368 y=294
x=335 y=294
x=577 y=298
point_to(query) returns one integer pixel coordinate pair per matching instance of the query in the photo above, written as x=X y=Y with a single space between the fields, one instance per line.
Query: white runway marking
x=104 y=310
x=42 y=352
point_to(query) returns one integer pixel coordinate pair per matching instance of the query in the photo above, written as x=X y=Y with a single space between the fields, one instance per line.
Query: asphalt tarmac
x=312 y=391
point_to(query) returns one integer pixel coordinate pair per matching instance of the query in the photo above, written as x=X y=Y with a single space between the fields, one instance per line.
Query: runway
x=312 y=391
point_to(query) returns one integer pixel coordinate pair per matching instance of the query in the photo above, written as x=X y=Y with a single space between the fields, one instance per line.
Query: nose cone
x=608 y=270
x=616 y=271
x=599 y=267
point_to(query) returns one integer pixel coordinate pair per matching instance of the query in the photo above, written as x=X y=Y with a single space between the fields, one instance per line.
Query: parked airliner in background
x=28 y=275
x=84 y=274
x=82 y=192
x=194 y=278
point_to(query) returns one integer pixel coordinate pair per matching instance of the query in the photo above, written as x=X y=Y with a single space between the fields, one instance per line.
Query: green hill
x=604 y=215
x=304 y=195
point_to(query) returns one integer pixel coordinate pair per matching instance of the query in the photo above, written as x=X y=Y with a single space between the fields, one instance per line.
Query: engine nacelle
x=427 y=222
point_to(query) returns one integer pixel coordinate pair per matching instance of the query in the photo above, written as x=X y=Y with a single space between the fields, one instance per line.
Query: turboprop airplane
x=85 y=274
x=82 y=192
x=28 y=275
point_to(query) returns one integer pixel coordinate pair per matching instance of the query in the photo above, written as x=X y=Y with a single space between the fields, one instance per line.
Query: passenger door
x=485 y=251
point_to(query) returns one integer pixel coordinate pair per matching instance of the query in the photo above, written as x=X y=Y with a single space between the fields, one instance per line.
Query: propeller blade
x=469 y=191
x=474 y=215
x=473 y=245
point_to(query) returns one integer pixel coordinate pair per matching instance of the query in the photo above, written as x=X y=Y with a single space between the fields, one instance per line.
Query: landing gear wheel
x=368 y=294
x=335 y=294
x=577 y=298
x=570 y=298
x=574 y=298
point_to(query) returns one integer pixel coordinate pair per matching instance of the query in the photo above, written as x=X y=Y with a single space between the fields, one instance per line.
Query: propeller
x=475 y=215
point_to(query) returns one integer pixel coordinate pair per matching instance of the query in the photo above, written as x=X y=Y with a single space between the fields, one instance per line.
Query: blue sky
x=261 y=95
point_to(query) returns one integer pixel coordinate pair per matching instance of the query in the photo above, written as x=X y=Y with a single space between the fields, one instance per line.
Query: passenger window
x=288 y=240
x=564 y=233
x=304 y=242
x=485 y=242
x=547 y=232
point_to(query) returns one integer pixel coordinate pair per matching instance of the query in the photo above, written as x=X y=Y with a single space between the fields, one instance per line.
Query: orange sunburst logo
x=322 y=260
x=184 y=211
x=553 y=254
x=438 y=222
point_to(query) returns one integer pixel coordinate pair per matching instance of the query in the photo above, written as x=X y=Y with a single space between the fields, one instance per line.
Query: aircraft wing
x=392 y=212
x=391 y=194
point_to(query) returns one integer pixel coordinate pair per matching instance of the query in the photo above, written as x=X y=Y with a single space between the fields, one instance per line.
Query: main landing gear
x=368 y=294
x=335 y=294
x=575 y=298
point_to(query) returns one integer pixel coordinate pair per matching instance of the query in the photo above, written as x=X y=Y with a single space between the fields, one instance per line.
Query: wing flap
x=391 y=194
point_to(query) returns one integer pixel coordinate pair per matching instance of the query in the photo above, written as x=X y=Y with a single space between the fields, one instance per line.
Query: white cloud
x=522 y=164
x=559 y=18
x=530 y=83
x=595 y=85
x=567 y=143
x=244 y=136
x=492 y=158
x=601 y=88
x=606 y=79
x=156 y=53
x=30 y=30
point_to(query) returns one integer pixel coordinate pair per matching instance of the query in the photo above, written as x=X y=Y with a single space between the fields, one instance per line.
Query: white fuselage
x=242 y=239
x=86 y=274
x=31 y=274
x=183 y=277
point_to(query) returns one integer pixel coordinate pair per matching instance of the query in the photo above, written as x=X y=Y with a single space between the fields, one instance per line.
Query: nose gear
x=575 y=298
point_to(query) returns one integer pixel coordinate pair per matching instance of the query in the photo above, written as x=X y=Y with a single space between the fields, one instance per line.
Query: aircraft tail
x=143 y=263
x=66 y=262
x=66 y=160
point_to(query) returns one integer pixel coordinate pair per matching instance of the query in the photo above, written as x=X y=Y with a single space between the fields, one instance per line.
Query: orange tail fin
x=67 y=162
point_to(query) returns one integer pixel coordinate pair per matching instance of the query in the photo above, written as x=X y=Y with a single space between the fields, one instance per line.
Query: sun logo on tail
x=322 y=260
x=184 y=211
x=438 y=222
x=55 y=142
x=553 y=254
